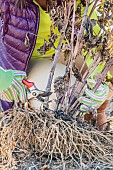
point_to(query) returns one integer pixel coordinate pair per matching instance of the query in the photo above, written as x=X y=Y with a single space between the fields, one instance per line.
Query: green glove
x=93 y=100
x=11 y=86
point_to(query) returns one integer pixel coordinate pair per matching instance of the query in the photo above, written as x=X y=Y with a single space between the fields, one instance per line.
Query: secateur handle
x=27 y=83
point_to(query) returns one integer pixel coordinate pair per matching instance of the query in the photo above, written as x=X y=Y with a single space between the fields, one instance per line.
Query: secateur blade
x=45 y=94
x=34 y=92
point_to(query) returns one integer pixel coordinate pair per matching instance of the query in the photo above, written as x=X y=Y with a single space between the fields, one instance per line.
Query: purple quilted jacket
x=15 y=24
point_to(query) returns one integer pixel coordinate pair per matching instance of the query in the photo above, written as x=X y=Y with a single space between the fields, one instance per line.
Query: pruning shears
x=34 y=92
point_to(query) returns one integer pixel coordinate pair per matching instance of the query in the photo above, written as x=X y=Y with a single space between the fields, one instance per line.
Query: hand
x=93 y=100
x=11 y=86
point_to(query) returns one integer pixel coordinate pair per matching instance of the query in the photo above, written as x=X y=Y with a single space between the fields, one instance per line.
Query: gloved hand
x=11 y=86
x=93 y=100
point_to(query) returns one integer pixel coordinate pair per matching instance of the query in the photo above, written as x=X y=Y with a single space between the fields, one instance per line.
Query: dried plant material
x=48 y=44
x=80 y=38
x=27 y=132
x=56 y=134
x=77 y=73
x=61 y=85
x=110 y=44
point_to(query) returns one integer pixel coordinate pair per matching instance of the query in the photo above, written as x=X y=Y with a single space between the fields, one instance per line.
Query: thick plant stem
x=78 y=45
x=72 y=46
x=80 y=86
x=104 y=73
x=48 y=87
x=79 y=42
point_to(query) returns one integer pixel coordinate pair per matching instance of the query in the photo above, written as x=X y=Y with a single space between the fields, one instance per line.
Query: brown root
x=24 y=132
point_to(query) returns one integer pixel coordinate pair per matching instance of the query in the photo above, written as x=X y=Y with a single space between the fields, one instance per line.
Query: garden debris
x=26 y=132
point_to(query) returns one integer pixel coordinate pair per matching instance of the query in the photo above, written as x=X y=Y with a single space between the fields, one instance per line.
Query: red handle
x=27 y=83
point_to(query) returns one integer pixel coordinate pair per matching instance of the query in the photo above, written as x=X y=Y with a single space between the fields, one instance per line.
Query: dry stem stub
x=82 y=39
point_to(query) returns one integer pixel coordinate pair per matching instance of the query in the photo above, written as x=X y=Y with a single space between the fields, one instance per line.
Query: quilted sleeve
x=1 y=2
x=0 y=5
